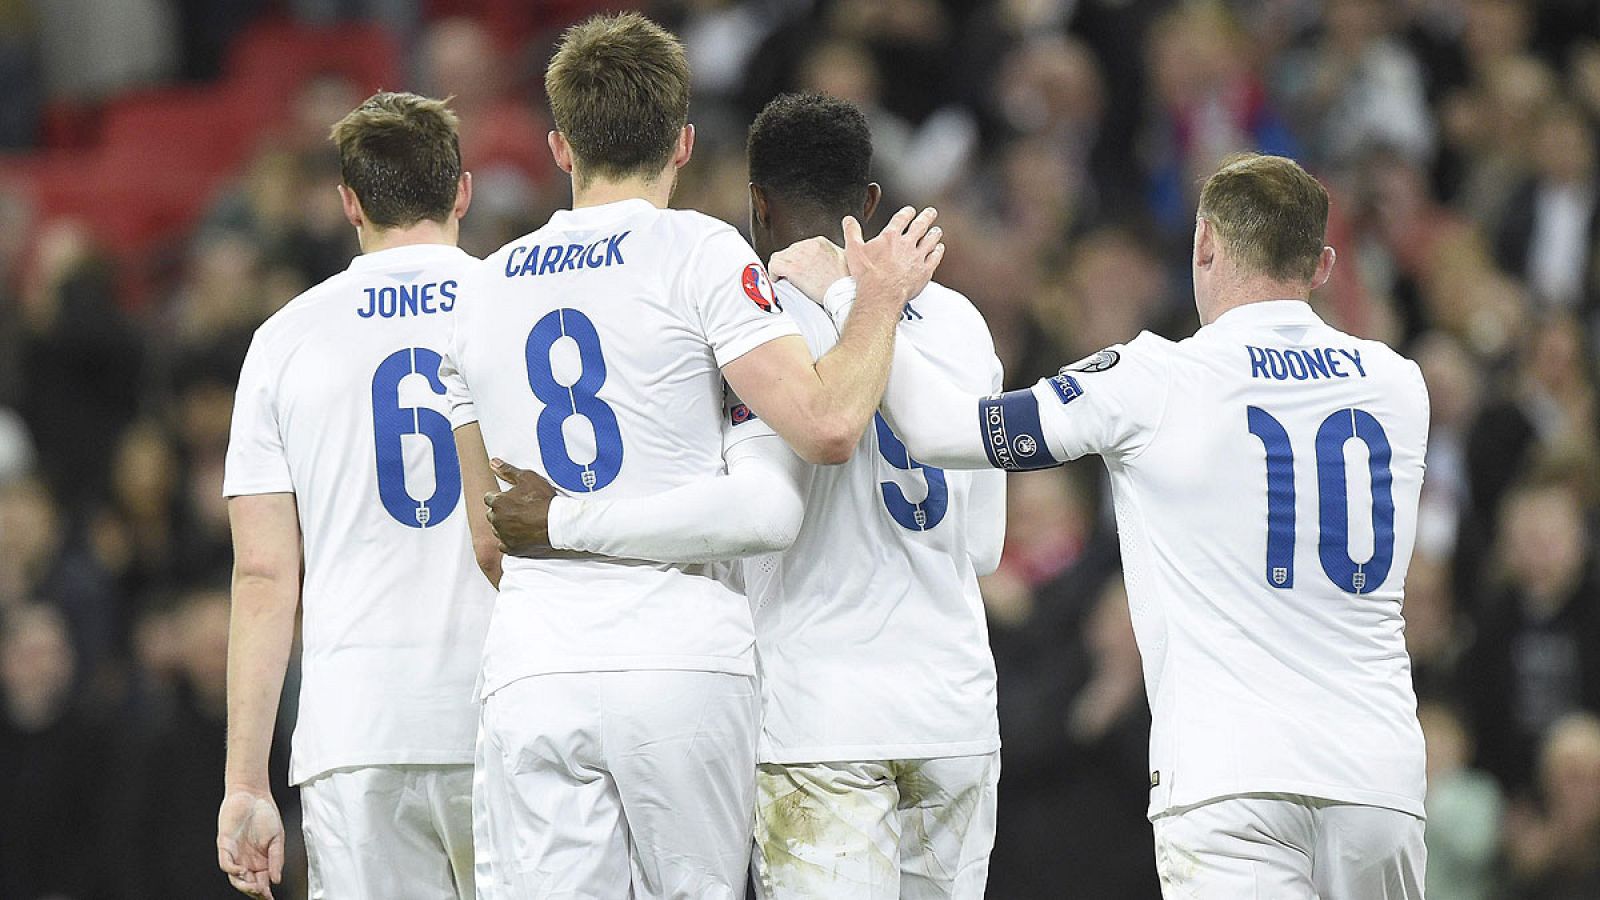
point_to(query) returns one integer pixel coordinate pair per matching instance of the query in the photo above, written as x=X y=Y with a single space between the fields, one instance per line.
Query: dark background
x=168 y=184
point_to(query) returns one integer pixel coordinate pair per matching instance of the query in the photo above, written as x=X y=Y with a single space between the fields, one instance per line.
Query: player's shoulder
x=944 y=302
x=694 y=224
x=815 y=324
x=306 y=312
x=1147 y=354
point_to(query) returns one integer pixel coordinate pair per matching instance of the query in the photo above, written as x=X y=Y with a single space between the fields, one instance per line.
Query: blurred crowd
x=1062 y=141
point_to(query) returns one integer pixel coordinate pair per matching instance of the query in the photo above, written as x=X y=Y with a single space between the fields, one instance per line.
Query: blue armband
x=1012 y=435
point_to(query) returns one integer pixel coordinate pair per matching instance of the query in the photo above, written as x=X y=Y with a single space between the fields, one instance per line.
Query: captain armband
x=1012 y=435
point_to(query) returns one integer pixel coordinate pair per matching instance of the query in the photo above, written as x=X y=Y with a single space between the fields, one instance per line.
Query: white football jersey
x=590 y=352
x=870 y=629
x=1265 y=474
x=340 y=403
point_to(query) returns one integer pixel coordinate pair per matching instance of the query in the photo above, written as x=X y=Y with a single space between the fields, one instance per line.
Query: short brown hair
x=619 y=92
x=1270 y=213
x=401 y=156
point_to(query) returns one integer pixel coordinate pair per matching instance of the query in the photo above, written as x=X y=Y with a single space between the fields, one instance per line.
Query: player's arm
x=266 y=596
x=822 y=408
x=1093 y=406
x=756 y=507
x=477 y=483
x=477 y=479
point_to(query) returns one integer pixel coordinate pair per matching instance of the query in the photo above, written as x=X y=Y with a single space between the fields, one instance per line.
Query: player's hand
x=812 y=265
x=520 y=516
x=250 y=841
x=896 y=265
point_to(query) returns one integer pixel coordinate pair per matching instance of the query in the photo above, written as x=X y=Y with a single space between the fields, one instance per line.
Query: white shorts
x=609 y=785
x=381 y=832
x=920 y=828
x=1283 y=846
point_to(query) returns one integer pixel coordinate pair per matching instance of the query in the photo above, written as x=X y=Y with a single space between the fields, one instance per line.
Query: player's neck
x=425 y=232
x=656 y=190
x=1254 y=290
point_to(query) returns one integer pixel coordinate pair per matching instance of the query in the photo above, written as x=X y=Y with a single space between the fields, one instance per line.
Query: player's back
x=871 y=629
x=591 y=349
x=340 y=402
x=1267 y=522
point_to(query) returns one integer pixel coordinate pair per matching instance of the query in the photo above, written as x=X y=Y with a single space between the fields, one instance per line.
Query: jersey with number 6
x=340 y=404
x=590 y=351
x=1265 y=474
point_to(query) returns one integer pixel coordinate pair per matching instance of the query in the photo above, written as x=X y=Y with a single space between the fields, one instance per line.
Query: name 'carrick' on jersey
x=1265 y=474
x=340 y=403
x=590 y=352
x=870 y=629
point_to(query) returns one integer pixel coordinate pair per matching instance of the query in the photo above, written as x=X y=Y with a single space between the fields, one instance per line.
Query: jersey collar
x=405 y=255
x=1269 y=312
x=593 y=216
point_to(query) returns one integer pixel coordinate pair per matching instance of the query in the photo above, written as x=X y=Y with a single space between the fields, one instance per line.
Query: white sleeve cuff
x=841 y=295
x=562 y=521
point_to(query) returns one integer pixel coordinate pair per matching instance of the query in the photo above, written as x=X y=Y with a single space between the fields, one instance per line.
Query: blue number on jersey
x=390 y=421
x=561 y=402
x=1280 y=497
x=1333 y=521
x=913 y=516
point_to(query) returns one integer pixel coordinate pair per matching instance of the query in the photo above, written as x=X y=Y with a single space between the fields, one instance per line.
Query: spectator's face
x=1429 y=612
x=28 y=526
x=459 y=59
x=1570 y=774
x=36 y=663
x=1495 y=29
x=204 y=627
x=1352 y=23
x=144 y=471
x=1565 y=149
x=1050 y=83
x=845 y=71
x=1557 y=361
x=1116 y=288
x=1452 y=379
x=1448 y=746
x=1544 y=539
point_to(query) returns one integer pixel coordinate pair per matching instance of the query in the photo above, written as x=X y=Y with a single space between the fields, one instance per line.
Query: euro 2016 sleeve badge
x=758 y=287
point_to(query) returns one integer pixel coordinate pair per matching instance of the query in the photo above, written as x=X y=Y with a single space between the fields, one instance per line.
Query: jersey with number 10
x=1265 y=474
x=590 y=351
x=340 y=403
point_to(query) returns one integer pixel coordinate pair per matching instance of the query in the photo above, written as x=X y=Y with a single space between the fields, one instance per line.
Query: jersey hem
x=300 y=775
x=1175 y=805
x=719 y=664
x=784 y=756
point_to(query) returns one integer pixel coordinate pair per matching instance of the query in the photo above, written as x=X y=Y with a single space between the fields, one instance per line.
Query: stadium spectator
x=1554 y=849
x=1059 y=140
x=1537 y=654
x=54 y=755
x=1358 y=87
x=1464 y=810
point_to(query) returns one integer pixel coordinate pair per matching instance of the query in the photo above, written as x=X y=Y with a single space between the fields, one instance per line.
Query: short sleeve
x=256 y=462
x=1110 y=402
x=462 y=410
x=730 y=291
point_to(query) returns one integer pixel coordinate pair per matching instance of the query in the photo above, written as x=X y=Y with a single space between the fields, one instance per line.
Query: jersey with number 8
x=1266 y=474
x=590 y=352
